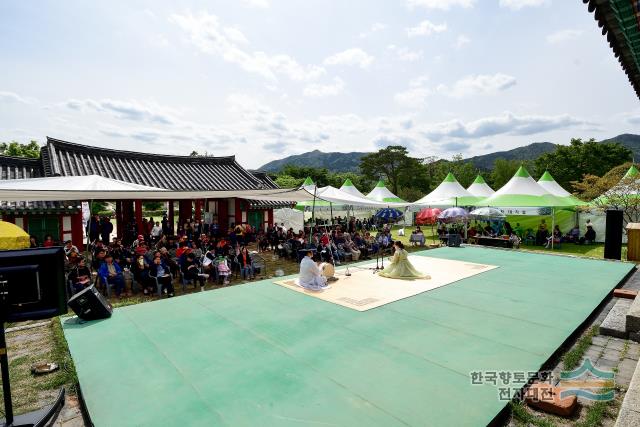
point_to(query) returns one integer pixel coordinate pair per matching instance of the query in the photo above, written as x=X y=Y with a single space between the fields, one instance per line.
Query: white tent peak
x=449 y=189
x=349 y=188
x=480 y=188
x=382 y=194
x=551 y=185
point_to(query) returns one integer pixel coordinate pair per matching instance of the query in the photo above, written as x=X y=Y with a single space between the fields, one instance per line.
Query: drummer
x=310 y=275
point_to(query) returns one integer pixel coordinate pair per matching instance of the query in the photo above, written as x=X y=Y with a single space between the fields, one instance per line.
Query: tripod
x=32 y=419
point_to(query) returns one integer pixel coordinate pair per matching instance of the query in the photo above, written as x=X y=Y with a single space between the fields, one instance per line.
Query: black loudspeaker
x=613 y=238
x=89 y=304
x=32 y=284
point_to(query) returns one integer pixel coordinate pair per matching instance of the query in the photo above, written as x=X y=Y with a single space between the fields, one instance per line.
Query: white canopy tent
x=381 y=193
x=348 y=187
x=480 y=188
x=94 y=187
x=448 y=193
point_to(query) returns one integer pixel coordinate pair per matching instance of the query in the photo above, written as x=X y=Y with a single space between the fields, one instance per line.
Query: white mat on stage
x=364 y=290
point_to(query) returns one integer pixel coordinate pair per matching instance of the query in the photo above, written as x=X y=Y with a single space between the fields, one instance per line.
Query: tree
x=464 y=171
x=503 y=171
x=569 y=163
x=592 y=186
x=16 y=149
x=392 y=164
x=288 y=181
x=624 y=196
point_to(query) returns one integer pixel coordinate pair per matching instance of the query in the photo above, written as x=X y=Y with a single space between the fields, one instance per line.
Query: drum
x=327 y=269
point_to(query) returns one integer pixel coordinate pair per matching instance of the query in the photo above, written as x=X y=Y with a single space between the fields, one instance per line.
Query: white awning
x=95 y=187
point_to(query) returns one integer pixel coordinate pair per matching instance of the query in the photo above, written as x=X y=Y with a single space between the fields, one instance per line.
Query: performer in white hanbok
x=310 y=275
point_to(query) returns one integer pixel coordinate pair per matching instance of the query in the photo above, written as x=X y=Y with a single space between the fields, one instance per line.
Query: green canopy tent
x=523 y=191
x=381 y=193
x=448 y=193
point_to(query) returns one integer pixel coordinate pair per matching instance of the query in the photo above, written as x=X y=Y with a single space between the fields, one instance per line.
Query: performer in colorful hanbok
x=400 y=266
x=310 y=275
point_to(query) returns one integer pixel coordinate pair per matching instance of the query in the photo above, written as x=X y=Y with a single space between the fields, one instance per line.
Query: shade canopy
x=523 y=191
x=13 y=237
x=381 y=193
x=448 y=193
x=427 y=216
x=349 y=188
x=333 y=198
x=95 y=187
x=547 y=182
x=487 y=212
x=453 y=214
x=388 y=213
x=480 y=188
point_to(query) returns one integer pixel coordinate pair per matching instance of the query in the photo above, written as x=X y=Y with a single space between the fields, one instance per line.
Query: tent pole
x=313 y=212
x=553 y=225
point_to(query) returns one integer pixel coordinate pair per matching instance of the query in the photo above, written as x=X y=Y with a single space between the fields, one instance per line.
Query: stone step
x=629 y=415
x=633 y=316
x=614 y=324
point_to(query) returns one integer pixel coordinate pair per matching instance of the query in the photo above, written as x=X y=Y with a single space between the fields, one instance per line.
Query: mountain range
x=350 y=162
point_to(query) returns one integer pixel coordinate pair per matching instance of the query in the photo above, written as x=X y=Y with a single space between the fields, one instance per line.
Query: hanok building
x=63 y=219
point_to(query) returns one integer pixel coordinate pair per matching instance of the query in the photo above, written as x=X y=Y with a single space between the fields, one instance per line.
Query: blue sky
x=263 y=79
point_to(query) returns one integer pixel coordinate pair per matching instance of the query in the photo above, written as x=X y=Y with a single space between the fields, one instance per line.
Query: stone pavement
x=70 y=415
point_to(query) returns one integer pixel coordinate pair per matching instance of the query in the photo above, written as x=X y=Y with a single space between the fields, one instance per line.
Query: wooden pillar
x=170 y=216
x=119 y=219
x=184 y=212
x=77 y=230
x=223 y=215
x=238 y=216
x=269 y=218
x=138 y=213
x=198 y=213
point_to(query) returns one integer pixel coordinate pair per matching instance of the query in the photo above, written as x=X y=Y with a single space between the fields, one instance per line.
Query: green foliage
x=571 y=162
x=394 y=165
x=503 y=171
x=288 y=181
x=16 y=149
x=464 y=171
x=572 y=358
x=152 y=206
x=98 y=207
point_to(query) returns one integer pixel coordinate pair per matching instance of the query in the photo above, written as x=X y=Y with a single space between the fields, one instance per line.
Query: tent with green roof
x=523 y=191
x=382 y=194
x=448 y=193
x=310 y=186
x=480 y=188
x=349 y=188
x=547 y=182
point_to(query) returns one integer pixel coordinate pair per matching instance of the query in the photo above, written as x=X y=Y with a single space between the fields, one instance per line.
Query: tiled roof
x=620 y=22
x=62 y=158
x=21 y=168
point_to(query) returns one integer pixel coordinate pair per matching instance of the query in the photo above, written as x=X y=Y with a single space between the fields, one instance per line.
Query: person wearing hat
x=311 y=277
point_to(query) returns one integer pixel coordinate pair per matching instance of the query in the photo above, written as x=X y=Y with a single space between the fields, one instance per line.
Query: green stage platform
x=262 y=355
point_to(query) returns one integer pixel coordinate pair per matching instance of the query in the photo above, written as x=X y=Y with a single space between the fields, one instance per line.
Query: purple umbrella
x=453 y=214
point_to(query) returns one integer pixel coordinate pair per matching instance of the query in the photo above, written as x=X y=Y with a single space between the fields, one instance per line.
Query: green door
x=254 y=218
x=40 y=226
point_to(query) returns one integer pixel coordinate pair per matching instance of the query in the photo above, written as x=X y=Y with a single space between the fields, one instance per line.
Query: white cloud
x=316 y=90
x=478 y=84
x=259 y=4
x=426 y=28
x=563 y=36
x=353 y=57
x=207 y=33
x=440 y=4
x=519 y=4
x=405 y=54
x=462 y=41
x=127 y=110
x=507 y=123
x=416 y=95
x=376 y=27
x=6 y=96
